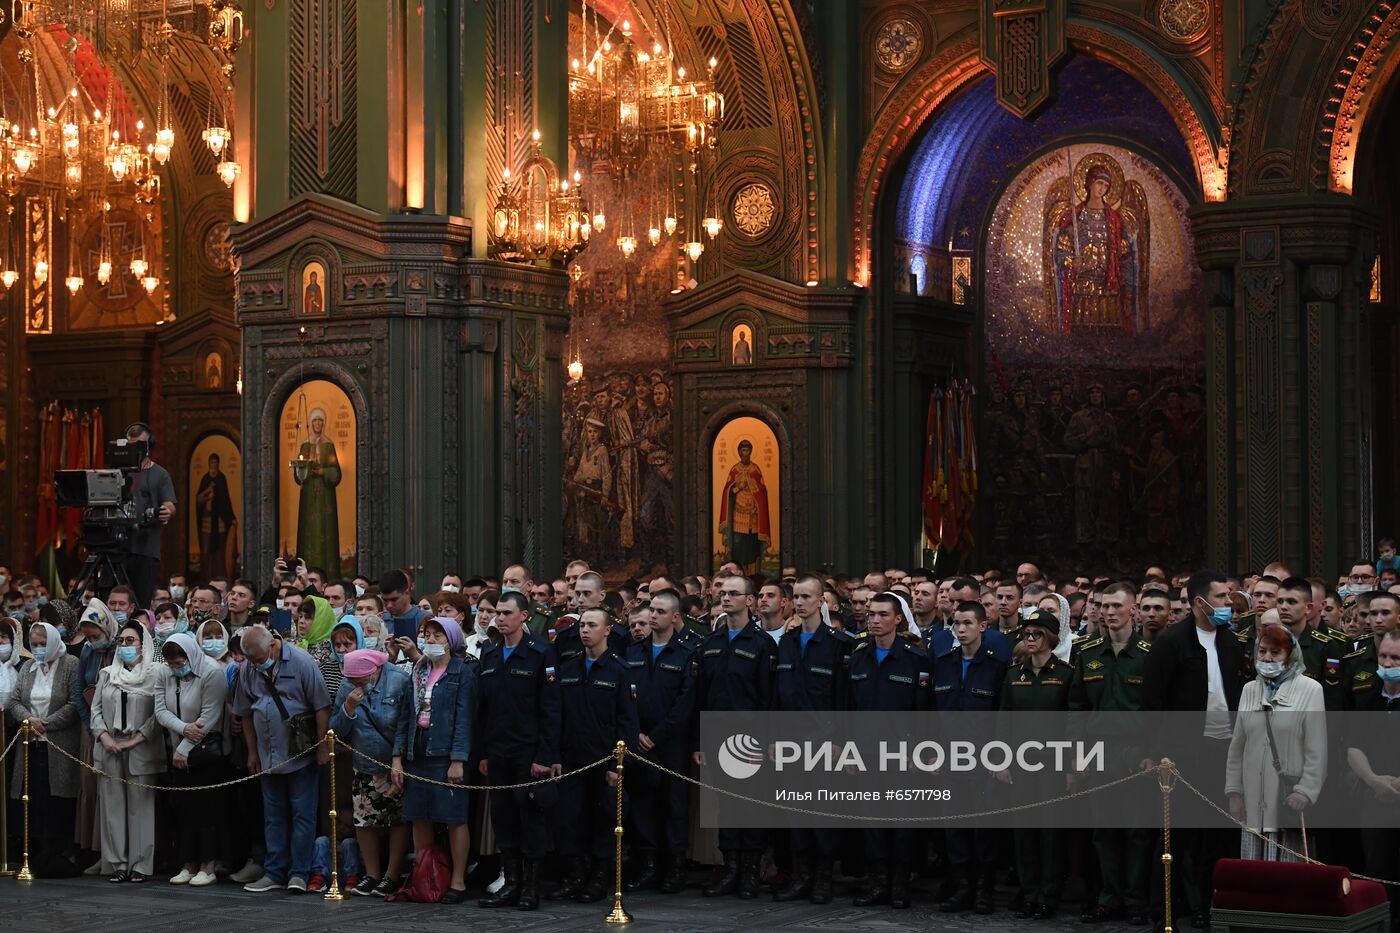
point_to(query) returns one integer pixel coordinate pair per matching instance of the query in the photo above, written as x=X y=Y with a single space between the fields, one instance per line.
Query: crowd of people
x=468 y=719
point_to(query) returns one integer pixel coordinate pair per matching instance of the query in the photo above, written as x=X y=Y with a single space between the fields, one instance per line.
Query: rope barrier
x=130 y=783
x=521 y=786
x=825 y=814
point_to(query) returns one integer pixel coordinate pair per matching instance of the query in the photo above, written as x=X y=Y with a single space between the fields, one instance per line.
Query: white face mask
x=6 y=651
x=281 y=604
x=177 y=592
x=451 y=588
x=1269 y=669
x=359 y=591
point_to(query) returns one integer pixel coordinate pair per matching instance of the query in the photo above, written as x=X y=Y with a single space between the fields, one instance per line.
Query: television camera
x=110 y=517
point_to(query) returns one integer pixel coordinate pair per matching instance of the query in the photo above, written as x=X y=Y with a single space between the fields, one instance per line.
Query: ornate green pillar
x=373 y=134
x=1288 y=458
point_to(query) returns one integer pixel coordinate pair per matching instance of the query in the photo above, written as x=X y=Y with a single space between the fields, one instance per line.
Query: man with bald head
x=588 y=594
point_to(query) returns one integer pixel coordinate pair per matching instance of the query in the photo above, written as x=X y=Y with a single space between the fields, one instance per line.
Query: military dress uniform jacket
x=519 y=704
x=1322 y=651
x=902 y=682
x=1359 y=678
x=666 y=690
x=599 y=709
x=817 y=678
x=979 y=691
x=567 y=644
x=1111 y=683
x=1029 y=690
x=736 y=674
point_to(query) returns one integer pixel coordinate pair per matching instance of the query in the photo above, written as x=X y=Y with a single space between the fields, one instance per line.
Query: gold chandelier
x=632 y=103
x=538 y=215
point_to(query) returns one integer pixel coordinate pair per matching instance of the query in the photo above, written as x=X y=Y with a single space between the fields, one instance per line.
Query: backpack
x=428 y=881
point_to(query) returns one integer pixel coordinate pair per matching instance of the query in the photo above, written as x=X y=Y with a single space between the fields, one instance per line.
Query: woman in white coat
x=1284 y=701
x=128 y=746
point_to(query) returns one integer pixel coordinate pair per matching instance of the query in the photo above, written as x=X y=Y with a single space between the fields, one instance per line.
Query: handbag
x=301 y=728
x=209 y=750
x=1287 y=816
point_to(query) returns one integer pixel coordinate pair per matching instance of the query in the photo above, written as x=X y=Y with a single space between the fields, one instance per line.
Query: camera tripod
x=103 y=570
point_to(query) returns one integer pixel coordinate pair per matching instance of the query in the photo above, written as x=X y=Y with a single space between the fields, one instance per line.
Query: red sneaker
x=317 y=884
x=351 y=882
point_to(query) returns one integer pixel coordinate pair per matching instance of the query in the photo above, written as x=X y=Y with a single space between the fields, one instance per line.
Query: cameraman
x=154 y=493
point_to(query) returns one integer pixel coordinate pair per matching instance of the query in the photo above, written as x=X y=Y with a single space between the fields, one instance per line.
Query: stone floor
x=90 y=904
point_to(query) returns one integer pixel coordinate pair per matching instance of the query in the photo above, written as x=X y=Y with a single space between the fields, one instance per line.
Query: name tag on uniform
x=1055 y=682
x=942 y=689
x=489 y=671
x=859 y=676
x=745 y=654
x=1090 y=678
x=522 y=672
x=636 y=663
x=900 y=679
x=608 y=684
x=977 y=691
x=568 y=681
x=821 y=670
x=784 y=667
x=713 y=651
x=1132 y=680
x=671 y=667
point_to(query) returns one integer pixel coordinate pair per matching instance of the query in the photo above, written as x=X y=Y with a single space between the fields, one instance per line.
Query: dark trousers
x=586 y=815
x=970 y=849
x=888 y=844
x=1125 y=858
x=660 y=807
x=51 y=817
x=1197 y=850
x=515 y=816
x=1040 y=864
x=141 y=572
x=822 y=841
x=200 y=817
x=737 y=840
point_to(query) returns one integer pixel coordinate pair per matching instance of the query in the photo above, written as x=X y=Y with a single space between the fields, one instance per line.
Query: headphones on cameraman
x=138 y=427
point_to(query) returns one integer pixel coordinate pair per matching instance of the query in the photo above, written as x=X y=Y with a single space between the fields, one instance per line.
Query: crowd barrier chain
x=1167 y=773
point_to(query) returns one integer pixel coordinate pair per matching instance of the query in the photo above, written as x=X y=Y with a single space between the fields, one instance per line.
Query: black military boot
x=647 y=875
x=800 y=886
x=962 y=897
x=821 y=881
x=899 y=885
x=674 y=880
x=529 y=885
x=575 y=874
x=599 y=883
x=877 y=885
x=750 y=862
x=985 y=900
x=509 y=895
x=728 y=882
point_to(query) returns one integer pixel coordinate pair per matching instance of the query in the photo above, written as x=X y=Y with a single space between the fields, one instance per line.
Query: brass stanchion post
x=618 y=915
x=24 y=873
x=334 y=894
x=4 y=805
x=1166 y=778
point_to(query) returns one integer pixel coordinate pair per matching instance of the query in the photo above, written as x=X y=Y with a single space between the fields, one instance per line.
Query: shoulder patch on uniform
x=1094 y=665
x=1144 y=644
x=1363 y=675
x=549 y=674
x=863 y=645
x=1359 y=652
x=1091 y=643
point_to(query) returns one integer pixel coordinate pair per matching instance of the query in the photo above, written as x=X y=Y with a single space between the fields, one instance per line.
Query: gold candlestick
x=334 y=894
x=24 y=873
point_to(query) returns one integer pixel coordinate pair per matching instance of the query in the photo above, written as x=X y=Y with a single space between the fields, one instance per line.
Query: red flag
x=933 y=505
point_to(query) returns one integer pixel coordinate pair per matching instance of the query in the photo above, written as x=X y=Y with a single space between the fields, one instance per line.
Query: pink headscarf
x=363 y=662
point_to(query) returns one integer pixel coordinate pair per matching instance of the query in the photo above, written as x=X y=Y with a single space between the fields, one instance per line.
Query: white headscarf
x=1066 y=644
x=9 y=669
x=56 y=647
x=218 y=632
x=186 y=643
x=908 y=613
x=98 y=614
x=140 y=678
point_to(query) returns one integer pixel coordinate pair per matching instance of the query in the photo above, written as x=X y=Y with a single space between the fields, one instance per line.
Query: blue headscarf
x=353 y=624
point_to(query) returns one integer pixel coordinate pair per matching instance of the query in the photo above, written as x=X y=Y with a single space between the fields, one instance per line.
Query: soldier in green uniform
x=1040 y=682
x=1359 y=667
x=1108 y=675
x=1322 y=653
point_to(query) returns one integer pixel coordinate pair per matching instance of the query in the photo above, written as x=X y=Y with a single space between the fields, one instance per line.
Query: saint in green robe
x=318 y=524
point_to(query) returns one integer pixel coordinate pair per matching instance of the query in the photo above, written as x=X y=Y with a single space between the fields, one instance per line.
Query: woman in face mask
x=372 y=627
x=98 y=627
x=434 y=741
x=1281 y=718
x=170 y=620
x=190 y=701
x=11 y=655
x=44 y=696
x=212 y=638
x=128 y=746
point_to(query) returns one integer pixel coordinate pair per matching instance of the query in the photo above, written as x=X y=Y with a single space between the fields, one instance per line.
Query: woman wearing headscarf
x=43 y=697
x=435 y=741
x=315 y=621
x=98 y=628
x=1281 y=718
x=190 y=696
x=347 y=636
x=169 y=620
x=368 y=708
x=12 y=653
x=1064 y=646
x=127 y=746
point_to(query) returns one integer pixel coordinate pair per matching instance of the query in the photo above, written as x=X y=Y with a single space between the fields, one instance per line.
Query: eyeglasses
x=1033 y=636
x=128 y=641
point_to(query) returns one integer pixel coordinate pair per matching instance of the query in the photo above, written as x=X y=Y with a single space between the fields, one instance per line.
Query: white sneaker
x=248 y=873
x=496 y=885
x=94 y=869
x=183 y=877
x=202 y=879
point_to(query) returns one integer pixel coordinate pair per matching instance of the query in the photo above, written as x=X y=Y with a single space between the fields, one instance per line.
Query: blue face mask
x=182 y=671
x=41 y=653
x=371 y=641
x=1222 y=616
x=267 y=665
x=101 y=645
x=120 y=617
x=1390 y=675
x=215 y=647
x=127 y=654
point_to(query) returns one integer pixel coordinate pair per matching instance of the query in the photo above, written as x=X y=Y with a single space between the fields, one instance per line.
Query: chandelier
x=538 y=215
x=76 y=159
x=632 y=103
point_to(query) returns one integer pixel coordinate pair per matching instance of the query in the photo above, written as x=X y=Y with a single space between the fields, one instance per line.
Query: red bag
x=428 y=881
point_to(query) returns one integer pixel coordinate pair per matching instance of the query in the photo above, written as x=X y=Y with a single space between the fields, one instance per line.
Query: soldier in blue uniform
x=517 y=740
x=588 y=594
x=736 y=675
x=969 y=677
x=663 y=670
x=888 y=672
x=812 y=677
x=599 y=710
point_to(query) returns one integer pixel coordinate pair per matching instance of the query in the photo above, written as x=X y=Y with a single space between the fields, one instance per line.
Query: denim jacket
x=453 y=712
x=374 y=728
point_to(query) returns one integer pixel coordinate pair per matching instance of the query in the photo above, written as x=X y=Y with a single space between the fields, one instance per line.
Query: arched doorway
x=984 y=222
